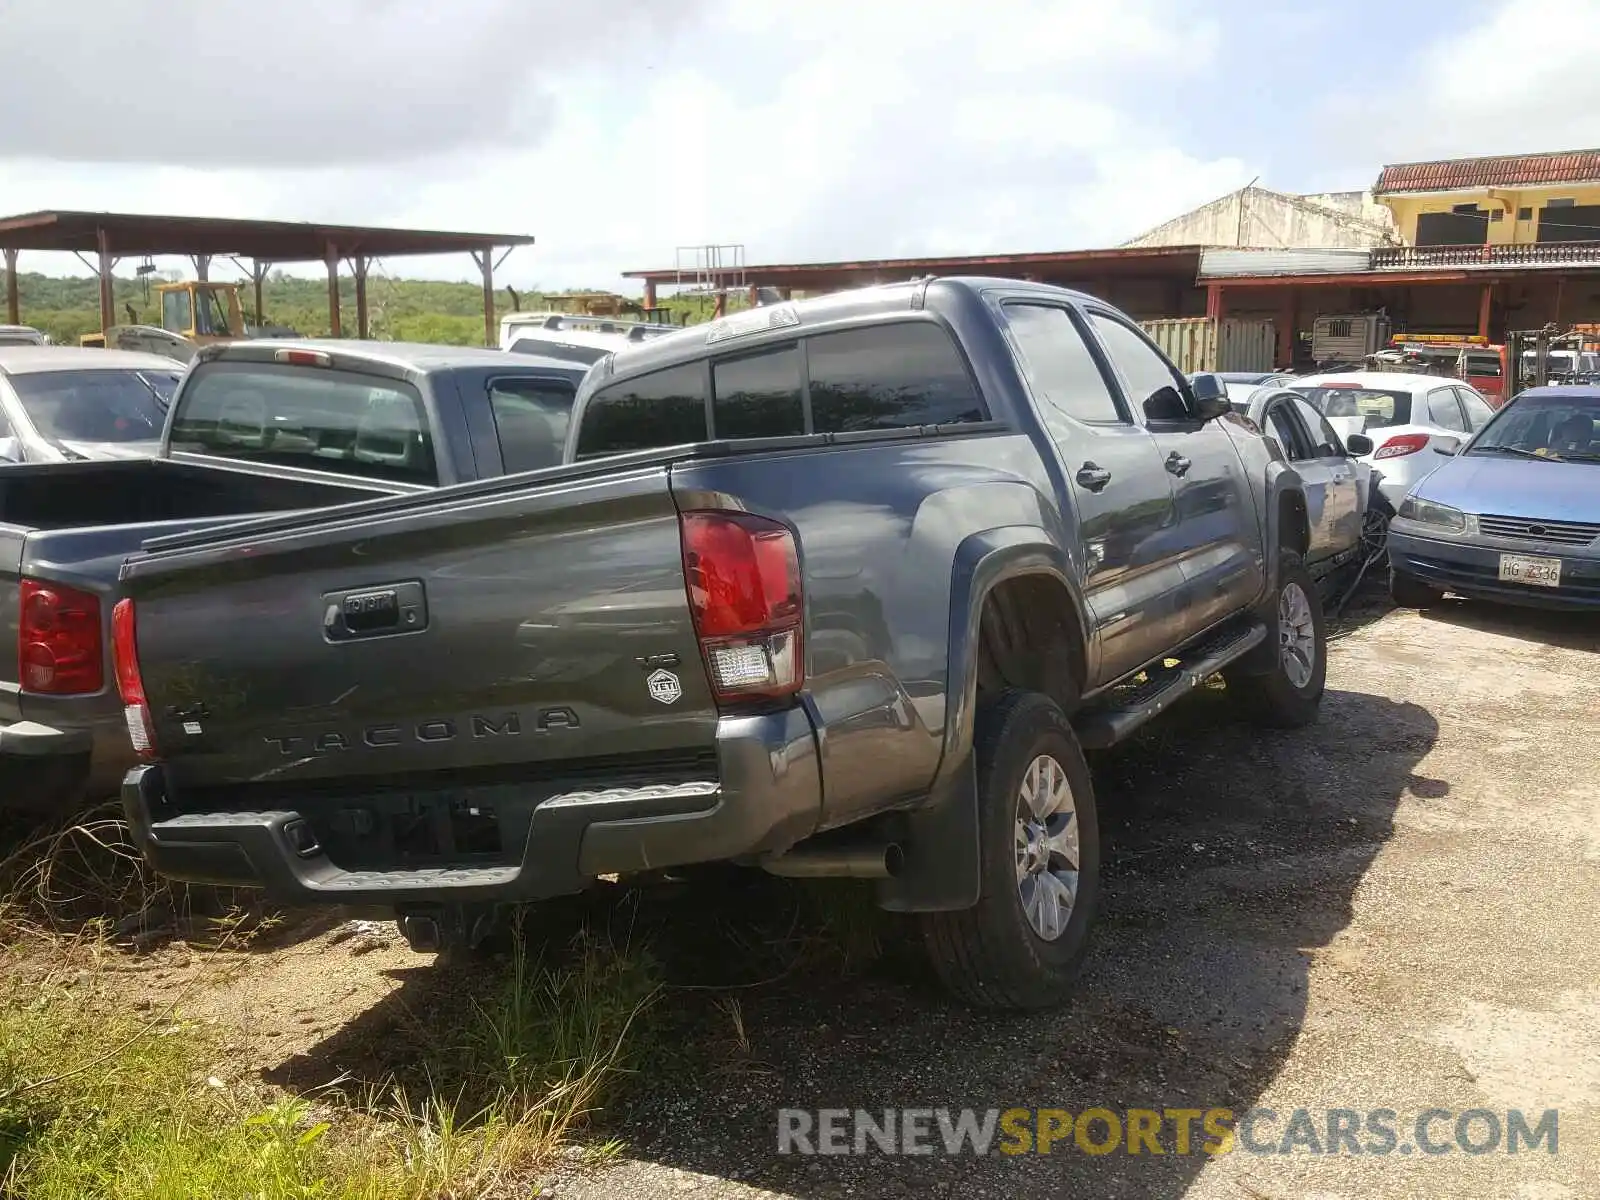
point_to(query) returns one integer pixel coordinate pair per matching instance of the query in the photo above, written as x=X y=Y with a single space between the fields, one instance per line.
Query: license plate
x=1520 y=568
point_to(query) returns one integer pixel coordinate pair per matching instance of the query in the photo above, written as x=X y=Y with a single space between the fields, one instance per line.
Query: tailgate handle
x=383 y=611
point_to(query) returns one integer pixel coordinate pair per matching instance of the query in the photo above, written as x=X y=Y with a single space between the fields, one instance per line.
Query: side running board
x=1125 y=709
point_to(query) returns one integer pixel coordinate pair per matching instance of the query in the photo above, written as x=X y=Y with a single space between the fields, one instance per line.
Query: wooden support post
x=202 y=267
x=485 y=260
x=258 y=273
x=358 y=266
x=13 y=300
x=1485 y=308
x=649 y=295
x=108 y=314
x=335 y=327
x=1216 y=303
x=719 y=307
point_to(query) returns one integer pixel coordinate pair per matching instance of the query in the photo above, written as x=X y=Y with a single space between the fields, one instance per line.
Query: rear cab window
x=313 y=418
x=530 y=421
x=893 y=375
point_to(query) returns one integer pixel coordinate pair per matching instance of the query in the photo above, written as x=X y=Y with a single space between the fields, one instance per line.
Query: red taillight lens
x=743 y=574
x=130 y=684
x=59 y=647
x=1405 y=443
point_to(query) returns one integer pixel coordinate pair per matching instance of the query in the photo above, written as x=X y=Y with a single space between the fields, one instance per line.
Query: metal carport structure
x=109 y=237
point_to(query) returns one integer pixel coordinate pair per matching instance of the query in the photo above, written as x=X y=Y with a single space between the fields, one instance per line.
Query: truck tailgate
x=464 y=638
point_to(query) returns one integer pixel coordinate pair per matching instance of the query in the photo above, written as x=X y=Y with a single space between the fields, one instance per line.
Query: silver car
x=59 y=403
x=1408 y=417
x=1515 y=516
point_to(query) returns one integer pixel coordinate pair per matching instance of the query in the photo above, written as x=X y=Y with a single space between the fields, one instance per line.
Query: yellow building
x=1510 y=200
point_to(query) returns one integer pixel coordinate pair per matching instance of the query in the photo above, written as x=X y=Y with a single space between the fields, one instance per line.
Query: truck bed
x=56 y=496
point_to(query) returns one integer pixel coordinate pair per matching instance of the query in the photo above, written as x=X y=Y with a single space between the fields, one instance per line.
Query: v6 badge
x=664 y=686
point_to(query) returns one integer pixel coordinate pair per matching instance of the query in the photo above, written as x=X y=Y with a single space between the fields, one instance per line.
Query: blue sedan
x=1514 y=516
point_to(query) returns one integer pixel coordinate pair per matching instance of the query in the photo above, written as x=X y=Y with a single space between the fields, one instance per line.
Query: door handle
x=373 y=612
x=1178 y=464
x=1093 y=477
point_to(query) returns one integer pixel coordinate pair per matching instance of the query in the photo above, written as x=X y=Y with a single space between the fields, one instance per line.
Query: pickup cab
x=839 y=587
x=254 y=427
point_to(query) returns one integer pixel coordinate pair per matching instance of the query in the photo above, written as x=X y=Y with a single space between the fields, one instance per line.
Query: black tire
x=1260 y=685
x=989 y=956
x=1410 y=592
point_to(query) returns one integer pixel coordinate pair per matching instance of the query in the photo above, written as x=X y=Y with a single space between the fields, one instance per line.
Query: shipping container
x=1349 y=338
x=1205 y=344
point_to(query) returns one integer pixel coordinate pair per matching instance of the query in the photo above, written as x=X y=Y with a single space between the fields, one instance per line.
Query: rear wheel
x=1020 y=946
x=1410 y=592
x=1280 y=684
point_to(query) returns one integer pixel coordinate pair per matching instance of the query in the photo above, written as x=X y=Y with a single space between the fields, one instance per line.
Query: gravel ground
x=1393 y=909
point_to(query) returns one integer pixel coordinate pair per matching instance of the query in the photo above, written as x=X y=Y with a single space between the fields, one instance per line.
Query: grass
x=474 y=1094
x=98 y=1099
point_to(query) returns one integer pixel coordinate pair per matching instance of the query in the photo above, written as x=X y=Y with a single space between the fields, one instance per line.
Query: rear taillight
x=130 y=686
x=59 y=647
x=1401 y=444
x=744 y=589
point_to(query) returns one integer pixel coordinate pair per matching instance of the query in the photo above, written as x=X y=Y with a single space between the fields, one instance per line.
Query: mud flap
x=941 y=870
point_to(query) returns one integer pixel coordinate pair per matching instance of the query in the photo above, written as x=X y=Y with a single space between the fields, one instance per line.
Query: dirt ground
x=1396 y=908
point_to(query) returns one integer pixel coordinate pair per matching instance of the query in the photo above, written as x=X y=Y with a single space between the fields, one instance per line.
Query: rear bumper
x=50 y=765
x=1474 y=570
x=767 y=796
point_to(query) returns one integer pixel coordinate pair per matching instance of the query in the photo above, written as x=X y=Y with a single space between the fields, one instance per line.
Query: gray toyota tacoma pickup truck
x=254 y=427
x=838 y=587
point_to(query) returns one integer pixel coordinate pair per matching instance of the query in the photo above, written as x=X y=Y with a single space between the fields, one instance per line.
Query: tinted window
x=95 y=406
x=759 y=395
x=1478 y=410
x=1063 y=372
x=667 y=408
x=1143 y=371
x=889 y=377
x=307 y=417
x=1286 y=432
x=1325 y=442
x=1445 y=410
x=530 y=418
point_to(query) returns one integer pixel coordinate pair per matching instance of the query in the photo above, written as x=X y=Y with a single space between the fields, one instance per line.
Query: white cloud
x=1521 y=80
x=826 y=130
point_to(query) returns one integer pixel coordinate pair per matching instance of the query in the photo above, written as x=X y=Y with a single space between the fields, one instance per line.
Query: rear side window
x=666 y=408
x=530 y=419
x=889 y=377
x=758 y=395
x=1444 y=409
x=312 y=418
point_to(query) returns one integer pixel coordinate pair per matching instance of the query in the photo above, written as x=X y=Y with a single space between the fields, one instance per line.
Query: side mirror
x=1210 y=396
x=10 y=450
x=1448 y=449
x=1359 y=445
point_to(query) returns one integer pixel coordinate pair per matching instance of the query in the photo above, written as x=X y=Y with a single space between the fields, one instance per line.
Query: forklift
x=194 y=313
x=1553 y=356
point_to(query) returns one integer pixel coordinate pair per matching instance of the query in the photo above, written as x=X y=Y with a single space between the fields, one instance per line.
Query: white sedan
x=1408 y=417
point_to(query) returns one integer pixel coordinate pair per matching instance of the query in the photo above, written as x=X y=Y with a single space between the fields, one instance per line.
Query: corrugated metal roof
x=1514 y=170
x=1230 y=263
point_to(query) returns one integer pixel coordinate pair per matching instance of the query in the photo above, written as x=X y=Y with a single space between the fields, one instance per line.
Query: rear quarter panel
x=879 y=525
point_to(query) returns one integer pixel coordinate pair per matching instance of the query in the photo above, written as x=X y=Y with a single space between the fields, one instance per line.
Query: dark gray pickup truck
x=254 y=427
x=841 y=587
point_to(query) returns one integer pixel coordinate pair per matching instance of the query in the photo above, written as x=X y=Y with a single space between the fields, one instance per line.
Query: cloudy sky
x=813 y=129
